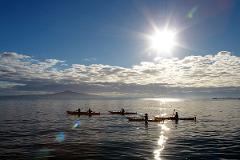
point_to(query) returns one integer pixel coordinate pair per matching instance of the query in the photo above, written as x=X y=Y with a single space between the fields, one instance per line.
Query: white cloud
x=220 y=70
x=12 y=55
x=6 y=84
x=91 y=59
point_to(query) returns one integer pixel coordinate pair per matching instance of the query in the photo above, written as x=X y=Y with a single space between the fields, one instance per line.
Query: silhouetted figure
x=123 y=111
x=79 y=110
x=89 y=110
x=176 y=116
x=146 y=118
x=195 y=118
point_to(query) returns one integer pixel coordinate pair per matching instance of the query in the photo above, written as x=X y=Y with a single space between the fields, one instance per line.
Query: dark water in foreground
x=40 y=129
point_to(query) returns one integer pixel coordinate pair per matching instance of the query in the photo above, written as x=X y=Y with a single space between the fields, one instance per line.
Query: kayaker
x=176 y=116
x=123 y=111
x=89 y=110
x=146 y=118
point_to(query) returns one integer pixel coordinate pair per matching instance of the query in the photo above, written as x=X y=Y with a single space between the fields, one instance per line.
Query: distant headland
x=226 y=98
x=58 y=95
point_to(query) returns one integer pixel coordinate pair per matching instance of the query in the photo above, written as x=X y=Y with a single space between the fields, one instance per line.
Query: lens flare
x=43 y=153
x=76 y=124
x=192 y=12
x=60 y=137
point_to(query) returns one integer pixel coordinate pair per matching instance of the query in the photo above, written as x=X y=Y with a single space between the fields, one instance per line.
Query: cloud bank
x=19 y=72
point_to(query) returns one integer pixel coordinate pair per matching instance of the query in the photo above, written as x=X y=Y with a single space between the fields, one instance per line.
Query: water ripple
x=42 y=130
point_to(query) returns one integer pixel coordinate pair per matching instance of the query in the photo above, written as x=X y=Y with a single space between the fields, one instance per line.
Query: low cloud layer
x=20 y=72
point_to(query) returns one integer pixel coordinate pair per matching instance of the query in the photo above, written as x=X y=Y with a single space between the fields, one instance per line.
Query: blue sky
x=108 y=31
x=87 y=43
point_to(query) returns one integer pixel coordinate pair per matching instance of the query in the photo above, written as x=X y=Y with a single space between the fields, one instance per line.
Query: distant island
x=58 y=95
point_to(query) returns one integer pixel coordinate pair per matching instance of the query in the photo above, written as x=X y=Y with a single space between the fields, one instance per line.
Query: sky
x=101 y=47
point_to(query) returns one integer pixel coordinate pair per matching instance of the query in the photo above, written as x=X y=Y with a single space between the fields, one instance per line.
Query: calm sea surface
x=41 y=129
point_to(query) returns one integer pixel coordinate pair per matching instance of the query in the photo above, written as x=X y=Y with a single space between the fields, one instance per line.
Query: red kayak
x=120 y=112
x=82 y=113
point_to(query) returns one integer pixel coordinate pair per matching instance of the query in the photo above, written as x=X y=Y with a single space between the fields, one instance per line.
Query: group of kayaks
x=98 y=113
x=132 y=119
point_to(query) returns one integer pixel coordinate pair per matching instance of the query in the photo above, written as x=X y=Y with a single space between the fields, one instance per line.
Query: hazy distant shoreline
x=65 y=95
x=226 y=98
x=76 y=95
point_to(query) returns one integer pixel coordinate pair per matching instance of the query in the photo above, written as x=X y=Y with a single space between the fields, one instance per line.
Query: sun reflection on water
x=164 y=100
x=161 y=141
x=163 y=114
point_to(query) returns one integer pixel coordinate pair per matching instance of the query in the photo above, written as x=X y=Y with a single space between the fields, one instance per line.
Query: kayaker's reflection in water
x=89 y=110
x=146 y=118
x=123 y=111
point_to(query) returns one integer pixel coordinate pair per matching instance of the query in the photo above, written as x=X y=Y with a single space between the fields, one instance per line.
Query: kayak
x=134 y=119
x=119 y=112
x=158 y=119
x=173 y=118
x=82 y=113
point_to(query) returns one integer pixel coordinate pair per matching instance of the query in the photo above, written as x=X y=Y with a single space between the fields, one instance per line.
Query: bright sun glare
x=163 y=41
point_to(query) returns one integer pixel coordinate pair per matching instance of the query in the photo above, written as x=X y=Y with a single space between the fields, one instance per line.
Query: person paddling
x=89 y=110
x=176 y=116
x=146 y=118
x=122 y=111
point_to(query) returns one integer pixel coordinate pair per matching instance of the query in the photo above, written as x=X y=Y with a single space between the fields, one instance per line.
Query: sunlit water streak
x=164 y=100
x=40 y=129
x=161 y=141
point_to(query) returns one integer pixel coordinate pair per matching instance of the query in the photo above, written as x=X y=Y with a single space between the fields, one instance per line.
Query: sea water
x=41 y=129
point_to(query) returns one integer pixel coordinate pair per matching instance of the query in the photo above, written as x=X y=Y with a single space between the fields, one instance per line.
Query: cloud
x=91 y=59
x=5 y=84
x=221 y=70
x=12 y=55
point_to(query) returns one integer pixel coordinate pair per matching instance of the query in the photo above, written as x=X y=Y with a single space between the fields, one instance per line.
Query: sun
x=162 y=41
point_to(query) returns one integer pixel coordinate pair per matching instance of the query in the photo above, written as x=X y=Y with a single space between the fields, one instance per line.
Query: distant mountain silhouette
x=70 y=93
x=59 y=95
x=223 y=98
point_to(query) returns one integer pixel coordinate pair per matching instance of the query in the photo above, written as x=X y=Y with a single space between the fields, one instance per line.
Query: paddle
x=173 y=112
